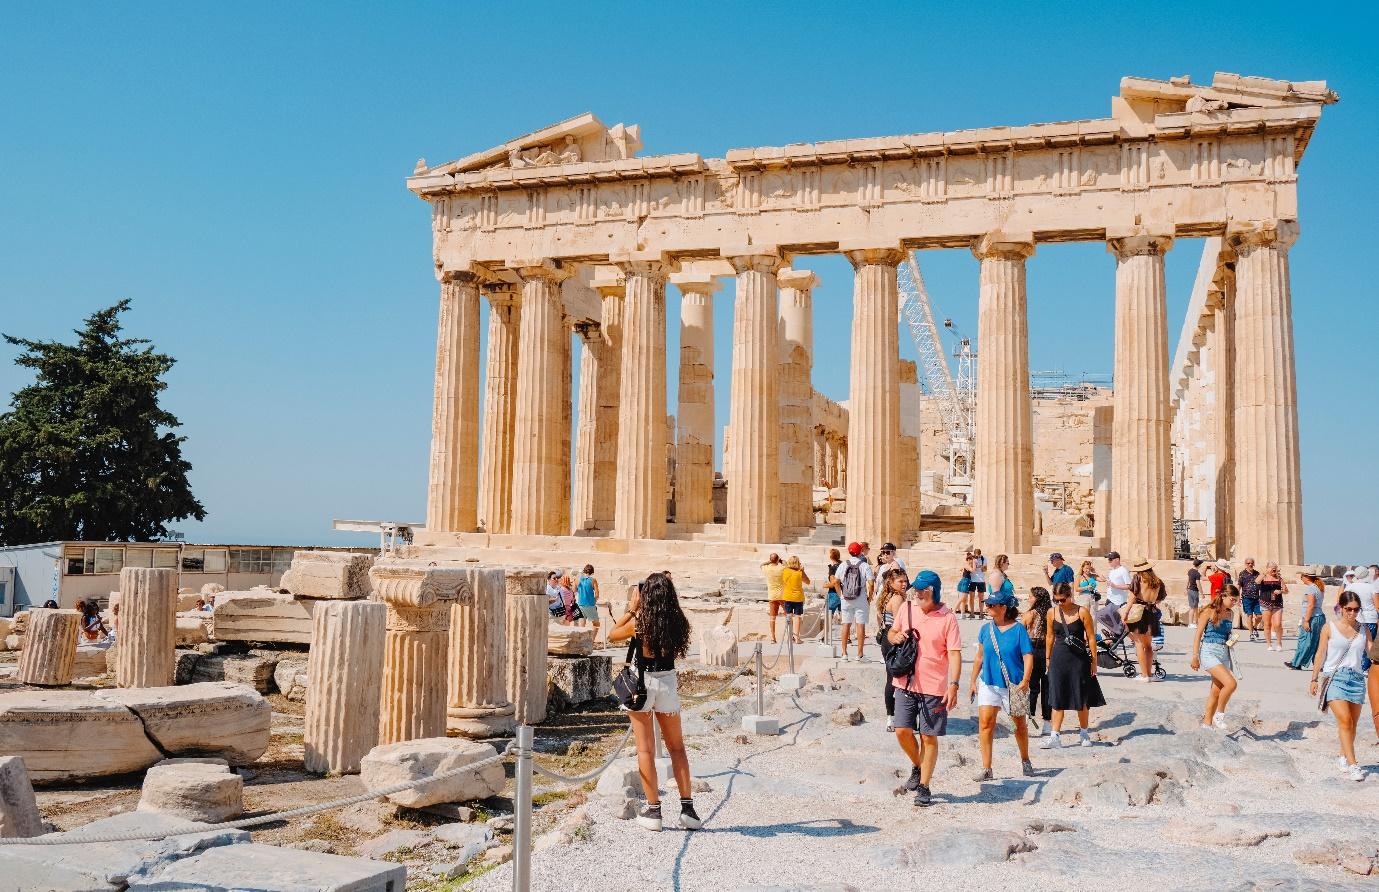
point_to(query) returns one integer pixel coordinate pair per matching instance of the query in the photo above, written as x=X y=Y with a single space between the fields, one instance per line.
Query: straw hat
x=1142 y=566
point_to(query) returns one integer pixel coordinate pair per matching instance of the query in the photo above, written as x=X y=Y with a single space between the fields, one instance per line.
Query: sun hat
x=1223 y=564
x=1142 y=566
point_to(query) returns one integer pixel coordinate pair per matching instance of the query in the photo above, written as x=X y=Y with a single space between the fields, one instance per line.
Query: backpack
x=852 y=581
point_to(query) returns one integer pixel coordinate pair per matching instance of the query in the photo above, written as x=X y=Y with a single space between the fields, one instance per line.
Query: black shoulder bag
x=629 y=687
x=900 y=662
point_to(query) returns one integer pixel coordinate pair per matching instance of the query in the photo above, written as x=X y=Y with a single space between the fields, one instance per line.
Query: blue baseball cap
x=1001 y=597
x=930 y=580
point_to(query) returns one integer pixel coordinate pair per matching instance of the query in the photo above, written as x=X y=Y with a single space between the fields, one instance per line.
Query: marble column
x=1222 y=337
x=344 y=688
x=500 y=406
x=538 y=464
x=819 y=465
x=563 y=488
x=795 y=338
x=418 y=598
x=582 y=516
x=843 y=463
x=695 y=420
x=1268 y=486
x=1141 y=465
x=753 y=488
x=640 y=512
x=452 y=498
x=874 y=398
x=478 y=698
x=1003 y=490
x=609 y=283
x=50 y=647
x=528 y=635
x=830 y=462
x=145 y=652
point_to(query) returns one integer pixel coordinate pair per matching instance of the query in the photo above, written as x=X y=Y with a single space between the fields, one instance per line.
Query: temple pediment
x=572 y=141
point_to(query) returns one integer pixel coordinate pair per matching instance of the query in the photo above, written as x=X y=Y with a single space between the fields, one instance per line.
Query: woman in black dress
x=1072 y=665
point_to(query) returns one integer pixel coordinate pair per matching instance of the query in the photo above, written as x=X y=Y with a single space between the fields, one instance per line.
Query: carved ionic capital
x=1136 y=244
x=1002 y=244
x=419 y=585
x=1245 y=235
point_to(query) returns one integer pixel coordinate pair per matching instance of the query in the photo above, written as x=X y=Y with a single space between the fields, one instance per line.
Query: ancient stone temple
x=569 y=229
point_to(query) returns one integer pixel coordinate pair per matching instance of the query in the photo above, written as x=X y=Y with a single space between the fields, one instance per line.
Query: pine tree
x=86 y=452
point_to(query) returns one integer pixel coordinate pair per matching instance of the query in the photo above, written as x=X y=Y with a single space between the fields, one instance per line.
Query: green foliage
x=85 y=451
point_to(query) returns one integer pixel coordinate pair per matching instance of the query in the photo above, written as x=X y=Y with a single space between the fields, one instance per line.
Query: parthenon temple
x=569 y=230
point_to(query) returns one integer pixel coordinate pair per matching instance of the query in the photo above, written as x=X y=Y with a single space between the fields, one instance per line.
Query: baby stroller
x=1114 y=650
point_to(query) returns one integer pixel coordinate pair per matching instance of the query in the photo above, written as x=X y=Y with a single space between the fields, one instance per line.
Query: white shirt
x=1366 y=591
x=1120 y=576
x=1342 y=653
x=979 y=570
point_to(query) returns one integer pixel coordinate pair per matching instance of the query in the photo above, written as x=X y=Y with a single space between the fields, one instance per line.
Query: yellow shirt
x=773 y=581
x=792 y=585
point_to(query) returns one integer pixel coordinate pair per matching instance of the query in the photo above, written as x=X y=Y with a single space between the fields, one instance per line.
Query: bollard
x=790 y=647
x=759 y=723
x=521 y=823
x=761 y=701
x=792 y=681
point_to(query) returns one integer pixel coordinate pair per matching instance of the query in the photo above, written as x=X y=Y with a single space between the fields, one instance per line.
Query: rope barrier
x=699 y=698
x=776 y=659
x=587 y=776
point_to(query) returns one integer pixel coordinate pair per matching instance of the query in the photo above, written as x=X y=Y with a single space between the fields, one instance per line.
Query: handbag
x=1077 y=645
x=629 y=686
x=1135 y=613
x=1321 y=692
x=900 y=662
x=1019 y=697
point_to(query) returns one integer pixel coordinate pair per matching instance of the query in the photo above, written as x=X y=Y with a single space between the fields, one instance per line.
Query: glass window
x=165 y=558
x=75 y=557
x=193 y=560
x=215 y=560
x=282 y=559
x=138 y=557
x=109 y=560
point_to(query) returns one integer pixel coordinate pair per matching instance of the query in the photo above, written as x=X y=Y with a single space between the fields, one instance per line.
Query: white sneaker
x=1218 y=721
x=1342 y=764
x=1054 y=742
x=1084 y=739
x=1357 y=773
x=847 y=658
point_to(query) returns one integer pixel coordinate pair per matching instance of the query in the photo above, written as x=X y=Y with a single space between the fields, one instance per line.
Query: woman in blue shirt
x=1005 y=659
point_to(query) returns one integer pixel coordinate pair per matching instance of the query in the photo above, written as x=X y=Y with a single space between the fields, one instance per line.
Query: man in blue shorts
x=1249 y=597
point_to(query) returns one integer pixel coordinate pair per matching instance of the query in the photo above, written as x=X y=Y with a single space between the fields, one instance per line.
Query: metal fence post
x=790 y=646
x=761 y=704
x=521 y=824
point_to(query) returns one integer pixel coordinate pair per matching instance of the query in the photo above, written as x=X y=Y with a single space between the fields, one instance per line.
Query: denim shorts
x=1215 y=653
x=1250 y=607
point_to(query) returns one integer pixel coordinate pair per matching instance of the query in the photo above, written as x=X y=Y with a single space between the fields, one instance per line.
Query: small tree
x=85 y=451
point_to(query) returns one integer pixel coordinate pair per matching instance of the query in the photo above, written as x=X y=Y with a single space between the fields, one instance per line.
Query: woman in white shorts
x=660 y=632
x=1005 y=659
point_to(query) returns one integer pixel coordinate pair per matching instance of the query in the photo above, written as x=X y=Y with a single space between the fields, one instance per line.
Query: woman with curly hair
x=659 y=634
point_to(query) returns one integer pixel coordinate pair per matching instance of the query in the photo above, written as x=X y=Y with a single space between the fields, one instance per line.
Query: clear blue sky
x=237 y=171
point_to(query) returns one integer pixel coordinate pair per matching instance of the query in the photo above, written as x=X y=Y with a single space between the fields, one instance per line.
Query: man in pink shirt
x=924 y=698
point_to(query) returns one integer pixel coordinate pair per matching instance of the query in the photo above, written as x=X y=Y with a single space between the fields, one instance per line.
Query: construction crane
x=956 y=399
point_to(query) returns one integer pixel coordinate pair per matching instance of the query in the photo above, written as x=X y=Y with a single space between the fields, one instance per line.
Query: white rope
x=735 y=676
x=776 y=658
x=71 y=838
x=590 y=775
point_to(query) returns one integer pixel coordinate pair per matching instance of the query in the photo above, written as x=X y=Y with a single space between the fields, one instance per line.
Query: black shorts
x=792 y=608
x=923 y=713
x=979 y=587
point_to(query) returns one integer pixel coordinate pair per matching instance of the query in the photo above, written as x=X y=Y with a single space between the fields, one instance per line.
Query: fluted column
x=1268 y=487
x=795 y=337
x=753 y=490
x=50 y=647
x=477 y=676
x=538 y=465
x=345 y=684
x=528 y=637
x=582 y=504
x=874 y=398
x=1141 y=465
x=694 y=417
x=819 y=466
x=145 y=652
x=563 y=485
x=452 y=503
x=1003 y=490
x=831 y=462
x=609 y=283
x=416 y=640
x=500 y=407
x=1222 y=337
x=640 y=512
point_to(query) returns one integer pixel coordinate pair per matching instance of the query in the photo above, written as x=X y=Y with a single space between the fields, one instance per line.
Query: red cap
x=855 y=549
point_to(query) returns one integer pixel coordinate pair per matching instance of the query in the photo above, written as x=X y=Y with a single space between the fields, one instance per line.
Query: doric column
x=753 y=491
x=1141 y=466
x=582 y=505
x=528 y=637
x=830 y=462
x=820 y=469
x=843 y=463
x=537 y=467
x=452 y=503
x=1003 y=491
x=500 y=406
x=795 y=337
x=1222 y=337
x=145 y=654
x=478 y=697
x=874 y=398
x=344 y=687
x=563 y=491
x=1268 y=488
x=50 y=647
x=609 y=283
x=640 y=512
x=694 y=418
x=418 y=598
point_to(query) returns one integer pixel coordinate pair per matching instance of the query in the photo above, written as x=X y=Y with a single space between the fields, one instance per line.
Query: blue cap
x=930 y=580
x=1001 y=596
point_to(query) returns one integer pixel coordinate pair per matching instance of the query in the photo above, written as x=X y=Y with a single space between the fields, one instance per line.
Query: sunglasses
x=1061 y=600
x=1350 y=609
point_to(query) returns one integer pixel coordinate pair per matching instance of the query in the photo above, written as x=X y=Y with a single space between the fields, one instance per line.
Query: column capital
x=466 y=273
x=500 y=293
x=608 y=281
x=1003 y=244
x=753 y=258
x=868 y=256
x=798 y=279
x=1134 y=241
x=589 y=332
x=531 y=270
x=696 y=282
x=1245 y=234
x=659 y=270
